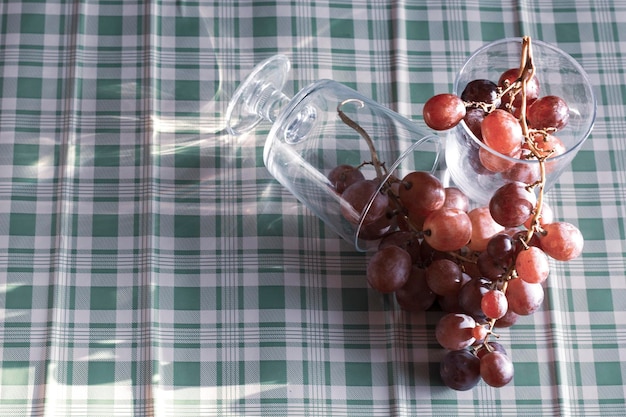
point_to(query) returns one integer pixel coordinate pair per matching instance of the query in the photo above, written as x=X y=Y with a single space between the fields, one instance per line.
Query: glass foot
x=259 y=97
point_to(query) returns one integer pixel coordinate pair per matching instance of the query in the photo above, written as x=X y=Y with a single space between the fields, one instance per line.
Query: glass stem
x=267 y=101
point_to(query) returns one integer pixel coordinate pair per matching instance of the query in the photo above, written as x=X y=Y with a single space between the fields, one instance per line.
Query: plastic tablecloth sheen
x=150 y=265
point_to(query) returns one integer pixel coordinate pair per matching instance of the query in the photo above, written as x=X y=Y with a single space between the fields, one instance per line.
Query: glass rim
x=571 y=150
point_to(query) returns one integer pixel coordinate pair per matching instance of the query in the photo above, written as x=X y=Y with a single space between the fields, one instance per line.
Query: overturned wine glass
x=327 y=137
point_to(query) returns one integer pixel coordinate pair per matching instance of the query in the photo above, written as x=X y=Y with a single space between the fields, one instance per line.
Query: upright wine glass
x=479 y=170
x=326 y=125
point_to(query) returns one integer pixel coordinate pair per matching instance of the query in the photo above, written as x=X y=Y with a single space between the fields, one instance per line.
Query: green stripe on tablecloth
x=149 y=264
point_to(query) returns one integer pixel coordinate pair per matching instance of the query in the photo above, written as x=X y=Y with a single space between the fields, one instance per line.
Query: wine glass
x=477 y=169
x=324 y=126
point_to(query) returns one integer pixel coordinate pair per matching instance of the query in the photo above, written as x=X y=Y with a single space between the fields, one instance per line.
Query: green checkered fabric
x=151 y=266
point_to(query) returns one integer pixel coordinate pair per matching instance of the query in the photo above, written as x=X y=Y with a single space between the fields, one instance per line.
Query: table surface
x=150 y=265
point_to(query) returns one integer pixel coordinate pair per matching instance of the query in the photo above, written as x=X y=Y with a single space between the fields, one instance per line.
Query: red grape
x=524 y=298
x=483 y=228
x=454 y=331
x=415 y=294
x=473 y=159
x=547 y=145
x=447 y=229
x=449 y=303
x=512 y=204
x=494 y=304
x=493 y=346
x=376 y=229
x=508 y=320
x=480 y=332
x=494 y=162
x=460 y=370
x=509 y=77
x=344 y=175
x=355 y=199
x=481 y=91
x=474 y=119
x=428 y=254
x=532 y=265
x=496 y=369
x=443 y=111
x=548 y=112
x=562 y=241
x=501 y=246
x=445 y=277
x=522 y=235
x=502 y=132
x=490 y=267
x=456 y=198
x=421 y=193
x=471 y=295
x=528 y=171
x=389 y=269
x=404 y=239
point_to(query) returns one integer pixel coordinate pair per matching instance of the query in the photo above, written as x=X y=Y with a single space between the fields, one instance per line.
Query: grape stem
x=526 y=73
x=378 y=166
x=381 y=171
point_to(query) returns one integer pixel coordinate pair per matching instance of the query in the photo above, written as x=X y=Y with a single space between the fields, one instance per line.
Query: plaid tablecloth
x=150 y=265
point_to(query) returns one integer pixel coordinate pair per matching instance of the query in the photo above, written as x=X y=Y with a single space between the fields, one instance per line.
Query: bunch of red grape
x=485 y=266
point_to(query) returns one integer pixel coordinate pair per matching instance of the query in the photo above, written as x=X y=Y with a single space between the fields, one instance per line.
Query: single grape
x=447 y=229
x=547 y=145
x=445 y=277
x=454 y=331
x=481 y=91
x=471 y=295
x=514 y=97
x=409 y=221
x=527 y=172
x=515 y=111
x=471 y=269
x=357 y=196
x=460 y=370
x=389 y=269
x=496 y=369
x=494 y=162
x=548 y=112
x=415 y=220
x=532 y=265
x=483 y=228
x=480 y=332
x=473 y=158
x=502 y=247
x=415 y=294
x=429 y=255
x=493 y=346
x=443 y=111
x=490 y=267
x=343 y=176
x=378 y=228
x=512 y=204
x=562 y=241
x=508 y=320
x=522 y=235
x=524 y=298
x=494 y=304
x=456 y=198
x=421 y=193
x=449 y=303
x=502 y=132
x=404 y=239
x=474 y=117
